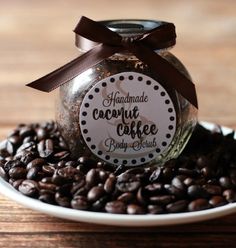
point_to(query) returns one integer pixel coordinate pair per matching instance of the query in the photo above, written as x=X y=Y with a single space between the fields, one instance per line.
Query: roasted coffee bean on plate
x=35 y=160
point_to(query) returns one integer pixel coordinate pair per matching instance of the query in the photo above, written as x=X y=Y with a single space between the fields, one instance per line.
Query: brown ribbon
x=110 y=43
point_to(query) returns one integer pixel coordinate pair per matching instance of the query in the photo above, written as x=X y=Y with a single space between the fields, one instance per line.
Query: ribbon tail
x=166 y=73
x=72 y=69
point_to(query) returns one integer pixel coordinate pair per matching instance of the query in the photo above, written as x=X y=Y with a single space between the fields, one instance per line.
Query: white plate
x=118 y=219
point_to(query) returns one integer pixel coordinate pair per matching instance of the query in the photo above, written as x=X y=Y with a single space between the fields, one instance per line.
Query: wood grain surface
x=36 y=37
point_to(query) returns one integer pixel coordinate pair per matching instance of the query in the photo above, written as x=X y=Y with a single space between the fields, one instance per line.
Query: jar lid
x=124 y=27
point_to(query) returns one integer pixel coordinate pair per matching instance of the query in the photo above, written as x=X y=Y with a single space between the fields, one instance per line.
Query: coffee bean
x=47 y=198
x=38 y=162
x=103 y=175
x=48 y=169
x=154 y=188
x=46 y=180
x=217 y=201
x=199 y=204
x=178 y=206
x=26 y=146
x=203 y=161
x=225 y=182
x=110 y=184
x=127 y=183
x=15 y=140
x=71 y=163
x=162 y=200
x=167 y=174
x=12 y=164
x=45 y=148
x=61 y=155
x=189 y=181
x=156 y=175
x=17 y=183
x=212 y=189
x=177 y=192
x=135 y=209
x=95 y=193
x=3 y=174
x=155 y=209
x=187 y=172
x=92 y=177
x=26 y=156
x=26 y=131
x=80 y=202
x=99 y=205
x=178 y=183
x=116 y=207
x=10 y=148
x=64 y=175
x=41 y=134
x=17 y=173
x=89 y=163
x=47 y=186
x=230 y=195
x=141 y=196
x=3 y=145
x=28 y=139
x=81 y=191
x=196 y=191
x=33 y=173
x=126 y=197
x=208 y=172
x=29 y=188
x=62 y=200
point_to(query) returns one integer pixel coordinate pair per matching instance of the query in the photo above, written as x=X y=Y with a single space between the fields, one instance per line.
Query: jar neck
x=128 y=54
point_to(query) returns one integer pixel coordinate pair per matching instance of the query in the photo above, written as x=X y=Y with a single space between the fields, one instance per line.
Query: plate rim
x=119 y=219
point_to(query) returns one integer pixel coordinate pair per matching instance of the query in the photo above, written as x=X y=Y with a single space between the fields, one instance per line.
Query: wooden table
x=36 y=37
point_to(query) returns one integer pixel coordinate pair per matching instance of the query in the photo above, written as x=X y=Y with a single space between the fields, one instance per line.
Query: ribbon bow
x=142 y=47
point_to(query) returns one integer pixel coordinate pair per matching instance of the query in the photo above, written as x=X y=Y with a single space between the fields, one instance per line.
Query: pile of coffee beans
x=35 y=160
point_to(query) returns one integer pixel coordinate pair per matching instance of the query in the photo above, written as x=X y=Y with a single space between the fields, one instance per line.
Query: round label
x=127 y=118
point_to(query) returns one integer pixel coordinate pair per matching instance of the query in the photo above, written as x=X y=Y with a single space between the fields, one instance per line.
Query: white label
x=127 y=118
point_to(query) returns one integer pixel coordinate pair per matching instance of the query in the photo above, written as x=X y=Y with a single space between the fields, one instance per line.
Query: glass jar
x=116 y=111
